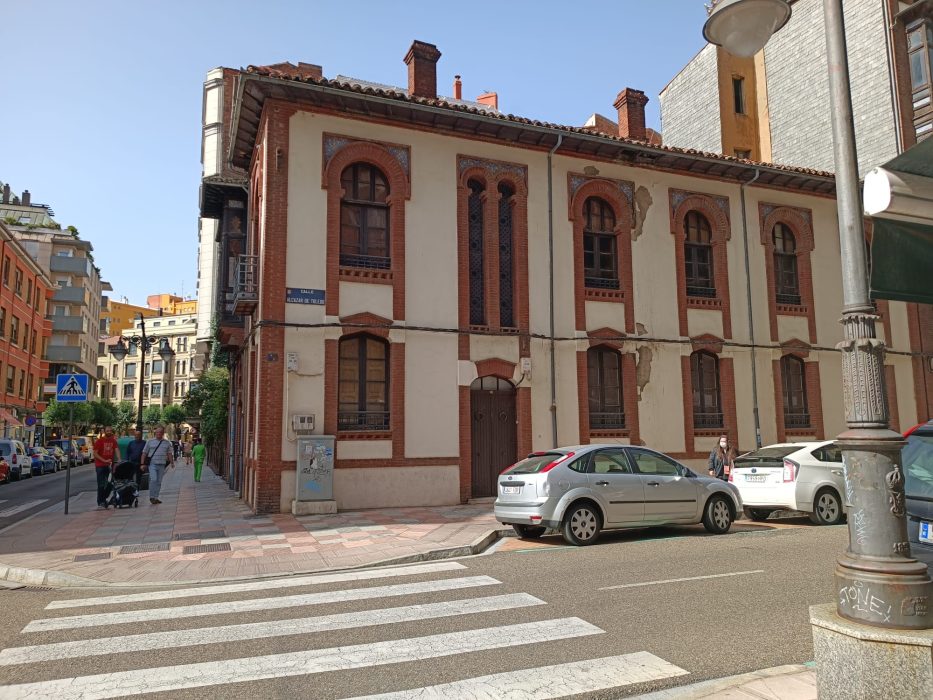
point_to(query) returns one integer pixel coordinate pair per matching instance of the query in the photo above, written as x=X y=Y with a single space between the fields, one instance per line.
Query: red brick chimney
x=631 y=105
x=27 y=198
x=490 y=99
x=458 y=88
x=422 y=69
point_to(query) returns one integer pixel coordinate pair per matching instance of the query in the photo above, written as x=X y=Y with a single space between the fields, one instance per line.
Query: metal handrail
x=246 y=277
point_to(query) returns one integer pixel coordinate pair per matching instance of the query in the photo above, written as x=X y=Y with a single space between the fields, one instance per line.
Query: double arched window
x=363 y=383
x=707 y=401
x=476 y=258
x=506 y=258
x=364 y=218
x=600 y=254
x=786 y=279
x=794 y=389
x=698 y=255
x=604 y=373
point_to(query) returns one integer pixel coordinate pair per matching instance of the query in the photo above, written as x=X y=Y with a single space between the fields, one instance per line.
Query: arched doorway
x=492 y=405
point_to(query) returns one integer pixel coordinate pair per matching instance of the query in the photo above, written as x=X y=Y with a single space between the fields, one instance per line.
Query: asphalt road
x=21 y=499
x=631 y=593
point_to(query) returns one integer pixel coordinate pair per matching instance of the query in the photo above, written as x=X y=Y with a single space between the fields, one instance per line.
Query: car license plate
x=925 y=534
x=757 y=478
x=511 y=489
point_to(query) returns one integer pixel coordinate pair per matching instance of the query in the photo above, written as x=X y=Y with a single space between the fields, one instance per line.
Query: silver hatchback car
x=583 y=490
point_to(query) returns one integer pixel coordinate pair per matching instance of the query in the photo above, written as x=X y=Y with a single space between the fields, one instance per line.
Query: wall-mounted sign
x=296 y=295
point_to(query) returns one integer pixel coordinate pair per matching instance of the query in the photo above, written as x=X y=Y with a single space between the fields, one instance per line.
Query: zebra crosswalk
x=15 y=510
x=334 y=641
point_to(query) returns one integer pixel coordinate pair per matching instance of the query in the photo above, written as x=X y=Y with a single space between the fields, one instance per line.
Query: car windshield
x=918 y=466
x=535 y=463
x=4 y=449
x=768 y=454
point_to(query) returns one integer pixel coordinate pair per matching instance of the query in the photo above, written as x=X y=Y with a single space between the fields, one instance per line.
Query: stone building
x=446 y=287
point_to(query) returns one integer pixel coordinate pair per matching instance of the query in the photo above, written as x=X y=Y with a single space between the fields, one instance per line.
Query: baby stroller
x=123 y=491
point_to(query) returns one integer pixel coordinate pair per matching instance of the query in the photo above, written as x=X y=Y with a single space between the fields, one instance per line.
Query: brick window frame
x=799 y=221
x=801 y=350
x=612 y=339
x=612 y=192
x=716 y=211
x=386 y=157
x=713 y=345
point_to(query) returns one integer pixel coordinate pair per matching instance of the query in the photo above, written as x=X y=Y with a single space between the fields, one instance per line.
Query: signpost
x=70 y=389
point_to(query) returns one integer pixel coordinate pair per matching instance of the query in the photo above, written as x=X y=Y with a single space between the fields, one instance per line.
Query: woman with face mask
x=721 y=459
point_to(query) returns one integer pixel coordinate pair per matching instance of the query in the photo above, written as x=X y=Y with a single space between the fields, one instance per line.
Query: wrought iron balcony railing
x=246 y=284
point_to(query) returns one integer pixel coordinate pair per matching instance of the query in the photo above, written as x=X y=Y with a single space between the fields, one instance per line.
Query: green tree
x=125 y=417
x=105 y=413
x=60 y=415
x=152 y=415
x=208 y=400
x=175 y=415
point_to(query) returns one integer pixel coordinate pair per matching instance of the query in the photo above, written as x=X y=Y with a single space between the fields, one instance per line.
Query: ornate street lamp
x=145 y=343
x=877 y=580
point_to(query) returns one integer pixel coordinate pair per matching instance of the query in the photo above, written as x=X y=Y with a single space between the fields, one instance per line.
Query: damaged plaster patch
x=642 y=204
x=640 y=329
x=643 y=368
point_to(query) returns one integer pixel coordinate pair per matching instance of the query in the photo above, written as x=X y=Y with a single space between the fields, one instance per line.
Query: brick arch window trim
x=592 y=430
x=706 y=386
x=620 y=207
x=798 y=222
x=715 y=210
x=813 y=390
x=379 y=156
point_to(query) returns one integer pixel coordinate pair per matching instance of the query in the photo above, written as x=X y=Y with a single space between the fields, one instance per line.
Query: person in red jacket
x=106 y=453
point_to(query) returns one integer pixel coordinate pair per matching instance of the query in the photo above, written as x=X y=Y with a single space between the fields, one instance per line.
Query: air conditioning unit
x=303 y=425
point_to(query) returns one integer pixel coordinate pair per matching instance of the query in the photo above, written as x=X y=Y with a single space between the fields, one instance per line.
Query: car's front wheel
x=827 y=508
x=757 y=514
x=582 y=524
x=529 y=532
x=717 y=516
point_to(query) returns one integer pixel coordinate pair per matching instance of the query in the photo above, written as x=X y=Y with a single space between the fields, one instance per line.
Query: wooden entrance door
x=492 y=403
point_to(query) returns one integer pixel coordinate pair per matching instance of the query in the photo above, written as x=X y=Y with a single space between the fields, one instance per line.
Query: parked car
x=85 y=449
x=68 y=447
x=585 y=489
x=14 y=452
x=42 y=461
x=4 y=471
x=917 y=458
x=58 y=454
x=804 y=476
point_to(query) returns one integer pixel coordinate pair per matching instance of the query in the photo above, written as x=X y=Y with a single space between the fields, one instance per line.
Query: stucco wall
x=690 y=105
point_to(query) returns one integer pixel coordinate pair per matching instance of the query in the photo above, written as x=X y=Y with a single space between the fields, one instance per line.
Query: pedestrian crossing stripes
x=240 y=606
x=561 y=680
x=474 y=628
x=262 y=585
x=15 y=510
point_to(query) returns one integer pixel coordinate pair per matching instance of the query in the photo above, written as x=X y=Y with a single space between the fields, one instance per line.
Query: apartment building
x=118 y=317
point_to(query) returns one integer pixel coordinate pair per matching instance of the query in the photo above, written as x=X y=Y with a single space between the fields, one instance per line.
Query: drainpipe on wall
x=550 y=247
x=748 y=301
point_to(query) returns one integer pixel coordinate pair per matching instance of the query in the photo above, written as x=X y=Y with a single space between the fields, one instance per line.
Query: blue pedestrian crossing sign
x=71 y=388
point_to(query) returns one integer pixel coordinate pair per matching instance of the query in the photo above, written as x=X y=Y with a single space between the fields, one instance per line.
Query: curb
x=57 y=579
x=707 y=689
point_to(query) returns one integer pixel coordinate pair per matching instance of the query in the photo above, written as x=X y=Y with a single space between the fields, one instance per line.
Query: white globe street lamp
x=743 y=27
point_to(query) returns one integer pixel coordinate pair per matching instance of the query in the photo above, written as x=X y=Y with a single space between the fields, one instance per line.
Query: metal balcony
x=71 y=265
x=70 y=295
x=63 y=353
x=62 y=323
x=246 y=284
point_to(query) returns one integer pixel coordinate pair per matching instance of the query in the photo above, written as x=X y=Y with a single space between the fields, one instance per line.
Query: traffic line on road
x=261 y=585
x=14 y=510
x=239 y=606
x=302 y=663
x=546 y=682
x=680 y=580
x=263 y=630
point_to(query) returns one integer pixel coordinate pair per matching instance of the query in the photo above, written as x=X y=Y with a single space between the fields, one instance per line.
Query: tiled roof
x=388 y=92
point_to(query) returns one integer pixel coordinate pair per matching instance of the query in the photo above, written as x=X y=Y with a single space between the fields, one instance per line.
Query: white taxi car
x=804 y=476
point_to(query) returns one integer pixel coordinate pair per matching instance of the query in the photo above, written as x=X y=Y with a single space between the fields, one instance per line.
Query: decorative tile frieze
x=334 y=143
x=494 y=167
x=625 y=187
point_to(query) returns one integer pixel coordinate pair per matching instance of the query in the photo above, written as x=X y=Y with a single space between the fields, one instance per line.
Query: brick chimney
x=631 y=105
x=6 y=193
x=422 y=69
x=26 y=198
x=490 y=99
x=458 y=88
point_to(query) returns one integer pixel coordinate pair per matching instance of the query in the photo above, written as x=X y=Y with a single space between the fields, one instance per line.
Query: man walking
x=134 y=450
x=105 y=451
x=198 y=452
x=157 y=455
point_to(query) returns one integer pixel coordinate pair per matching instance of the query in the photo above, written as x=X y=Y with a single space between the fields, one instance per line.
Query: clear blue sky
x=102 y=99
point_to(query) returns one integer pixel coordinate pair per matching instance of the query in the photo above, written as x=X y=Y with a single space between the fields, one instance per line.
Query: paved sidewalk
x=202 y=532
x=794 y=682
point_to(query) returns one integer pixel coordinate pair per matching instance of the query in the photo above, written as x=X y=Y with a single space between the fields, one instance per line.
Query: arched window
x=477 y=264
x=793 y=378
x=363 y=384
x=698 y=255
x=364 y=217
x=787 y=283
x=604 y=371
x=506 y=266
x=600 y=258
x=707 y=404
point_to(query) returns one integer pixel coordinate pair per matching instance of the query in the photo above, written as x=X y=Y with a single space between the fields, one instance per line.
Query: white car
x=804 y=476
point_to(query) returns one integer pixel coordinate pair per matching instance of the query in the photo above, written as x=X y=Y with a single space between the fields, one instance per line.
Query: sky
x=102 y=99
